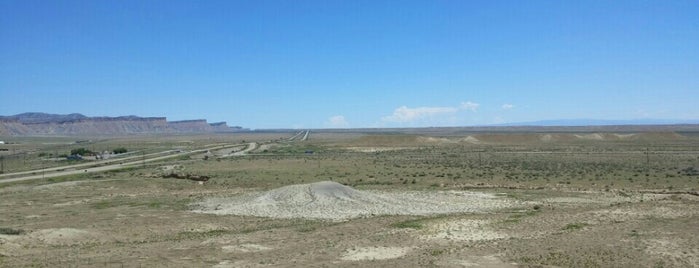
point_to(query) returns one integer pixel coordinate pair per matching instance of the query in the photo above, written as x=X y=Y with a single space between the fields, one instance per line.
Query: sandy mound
x=625 y=136
x=434 y=140
x=64 y=236
x=374 y=253
x=375 y=149
x=334 y=201
x=593 y=136
x=470 y=139
x=546 y=138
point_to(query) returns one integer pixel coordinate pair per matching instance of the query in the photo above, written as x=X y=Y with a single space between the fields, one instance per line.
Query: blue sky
x=314 y=64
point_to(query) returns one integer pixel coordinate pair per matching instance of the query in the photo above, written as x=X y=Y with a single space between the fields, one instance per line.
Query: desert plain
x=393 y=198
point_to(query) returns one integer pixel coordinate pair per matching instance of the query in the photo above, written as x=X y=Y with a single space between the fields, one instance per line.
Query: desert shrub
x=411 y=224
x=81 y=151
x=574 y=226
x=11 y=231
x=119 y=150
x=437 y=252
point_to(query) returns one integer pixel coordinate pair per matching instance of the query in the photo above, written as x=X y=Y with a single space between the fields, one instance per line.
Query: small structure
x=103 y=156
x=2 y=142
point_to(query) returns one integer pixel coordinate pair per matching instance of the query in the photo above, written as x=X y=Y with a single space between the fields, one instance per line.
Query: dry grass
x=582 y=204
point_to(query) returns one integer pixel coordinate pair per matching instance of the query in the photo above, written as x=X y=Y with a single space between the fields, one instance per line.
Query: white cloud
x=337 y=121
x=507 y=106
x=472 y=106
x=404 y=114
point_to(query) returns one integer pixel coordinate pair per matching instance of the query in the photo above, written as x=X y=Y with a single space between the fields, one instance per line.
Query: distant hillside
x=42 y=124
x=597 y=122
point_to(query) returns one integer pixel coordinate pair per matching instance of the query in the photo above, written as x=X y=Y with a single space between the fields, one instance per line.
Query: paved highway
x=91 y=168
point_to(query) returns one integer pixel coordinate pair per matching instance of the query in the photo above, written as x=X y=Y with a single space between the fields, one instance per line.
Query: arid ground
x=336 y=199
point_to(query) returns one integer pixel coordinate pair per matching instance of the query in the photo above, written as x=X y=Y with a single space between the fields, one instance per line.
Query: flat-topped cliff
x=40 y=124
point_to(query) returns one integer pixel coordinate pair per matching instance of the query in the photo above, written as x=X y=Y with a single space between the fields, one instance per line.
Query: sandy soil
x=461 y=230
x=374 y=253
x=333 y=201
x=375 y=149
x=108 y=223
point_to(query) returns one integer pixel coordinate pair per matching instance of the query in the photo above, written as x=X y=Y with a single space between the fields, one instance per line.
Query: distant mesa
x=43 y=124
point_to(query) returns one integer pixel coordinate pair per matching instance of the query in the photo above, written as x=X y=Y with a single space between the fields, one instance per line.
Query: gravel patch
x=374 y=253
x=245 y=248
x=333 y=201
x=462 y=230
x=626 y=214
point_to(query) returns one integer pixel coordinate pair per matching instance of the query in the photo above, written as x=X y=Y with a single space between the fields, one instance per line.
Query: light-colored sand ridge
x=334 y=201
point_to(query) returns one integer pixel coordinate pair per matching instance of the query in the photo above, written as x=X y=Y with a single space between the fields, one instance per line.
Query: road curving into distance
x=251 y=146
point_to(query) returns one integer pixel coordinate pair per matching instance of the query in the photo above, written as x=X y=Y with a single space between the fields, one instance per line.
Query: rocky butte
x=43 y=124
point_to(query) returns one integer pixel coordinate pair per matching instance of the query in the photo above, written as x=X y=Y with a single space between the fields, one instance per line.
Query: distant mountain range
x=41 y=124
x=598 y=122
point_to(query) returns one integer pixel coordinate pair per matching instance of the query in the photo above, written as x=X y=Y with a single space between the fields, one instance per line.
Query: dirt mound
x=434 y=140
x=65 y=236
x=593 y=136
x=470 y=139
x=333 y=201
x=325 y=191
x=625 y=136
x=546 y=138
x=401 y=140
x=507 y=138
x=375 y=149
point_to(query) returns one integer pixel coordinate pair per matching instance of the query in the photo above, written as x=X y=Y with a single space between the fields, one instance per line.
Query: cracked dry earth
x=176 y=223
